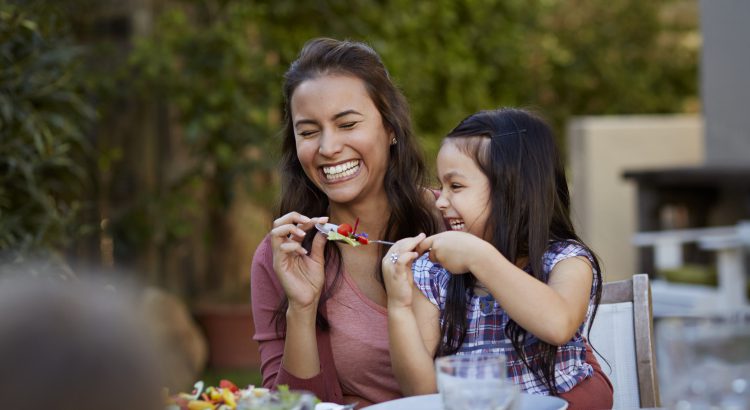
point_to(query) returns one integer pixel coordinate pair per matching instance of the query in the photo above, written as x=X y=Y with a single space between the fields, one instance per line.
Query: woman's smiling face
x=341 y=140
x=465 y=194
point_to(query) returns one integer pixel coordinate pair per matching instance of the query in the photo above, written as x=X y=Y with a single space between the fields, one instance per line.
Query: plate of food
x=227 y=396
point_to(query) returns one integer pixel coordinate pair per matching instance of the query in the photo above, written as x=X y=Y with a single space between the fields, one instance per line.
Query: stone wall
x=600 y=150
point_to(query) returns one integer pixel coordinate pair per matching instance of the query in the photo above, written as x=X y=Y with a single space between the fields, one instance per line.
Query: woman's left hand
x=455 y=250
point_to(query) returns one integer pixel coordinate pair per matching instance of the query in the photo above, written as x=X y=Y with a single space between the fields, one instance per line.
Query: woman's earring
x=393 y=141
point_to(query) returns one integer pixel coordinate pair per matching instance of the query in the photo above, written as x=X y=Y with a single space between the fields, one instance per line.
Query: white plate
x=329 y=406
x=433 y=402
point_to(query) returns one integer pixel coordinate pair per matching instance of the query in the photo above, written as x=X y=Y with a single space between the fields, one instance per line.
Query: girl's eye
x=456 y=186
x=348 y=125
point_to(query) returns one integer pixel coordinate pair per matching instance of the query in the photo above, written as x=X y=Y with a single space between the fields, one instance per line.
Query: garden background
x=141 y=136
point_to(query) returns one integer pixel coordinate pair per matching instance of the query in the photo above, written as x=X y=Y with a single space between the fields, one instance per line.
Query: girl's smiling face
x=341 y=140
x=465 y=191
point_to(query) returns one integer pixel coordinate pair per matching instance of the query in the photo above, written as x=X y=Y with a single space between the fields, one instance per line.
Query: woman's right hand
x=301 y=275
x=397 y=273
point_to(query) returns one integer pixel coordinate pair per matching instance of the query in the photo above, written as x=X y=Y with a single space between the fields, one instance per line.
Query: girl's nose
x=330 y=144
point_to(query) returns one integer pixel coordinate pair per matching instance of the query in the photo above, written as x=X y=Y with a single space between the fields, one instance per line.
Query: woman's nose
x=330 y=144
x=441 y=202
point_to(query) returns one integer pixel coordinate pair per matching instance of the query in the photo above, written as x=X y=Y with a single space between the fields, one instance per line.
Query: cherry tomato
x=226 y=384
x=345 y=229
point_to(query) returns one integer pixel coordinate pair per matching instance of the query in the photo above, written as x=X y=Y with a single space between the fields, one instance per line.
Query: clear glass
x=476 y=382
x=704 y=363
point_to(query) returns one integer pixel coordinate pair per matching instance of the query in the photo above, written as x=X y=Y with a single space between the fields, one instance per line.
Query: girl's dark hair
x=405 y=176
x=529 y=207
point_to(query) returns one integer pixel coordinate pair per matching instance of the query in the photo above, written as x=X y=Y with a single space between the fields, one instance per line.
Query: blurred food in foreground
x=229 y=397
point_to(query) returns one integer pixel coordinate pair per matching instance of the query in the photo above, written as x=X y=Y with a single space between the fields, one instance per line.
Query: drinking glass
x=476 y=382
x=704 y=363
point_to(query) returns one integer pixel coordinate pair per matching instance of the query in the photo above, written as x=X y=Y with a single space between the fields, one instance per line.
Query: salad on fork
x=345 y=233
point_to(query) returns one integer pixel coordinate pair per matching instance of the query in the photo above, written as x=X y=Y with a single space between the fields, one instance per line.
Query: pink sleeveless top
x=359 y=340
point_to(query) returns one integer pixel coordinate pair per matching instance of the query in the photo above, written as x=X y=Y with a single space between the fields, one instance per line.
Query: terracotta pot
x=229 y=333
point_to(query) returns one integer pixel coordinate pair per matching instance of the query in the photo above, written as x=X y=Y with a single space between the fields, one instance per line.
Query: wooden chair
x=623 y=333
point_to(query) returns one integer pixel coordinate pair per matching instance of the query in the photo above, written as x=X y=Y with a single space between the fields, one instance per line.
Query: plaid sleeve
x=559 y=251
x=431 y=279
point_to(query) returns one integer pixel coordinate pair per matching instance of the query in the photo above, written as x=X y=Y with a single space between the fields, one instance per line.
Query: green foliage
x=221 y=62
x=43 y=117
x=207 y=75
x=454 y=58
x=208 y=63
x=562 y=58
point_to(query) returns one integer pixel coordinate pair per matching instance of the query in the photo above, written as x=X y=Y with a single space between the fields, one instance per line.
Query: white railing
x=730 y=244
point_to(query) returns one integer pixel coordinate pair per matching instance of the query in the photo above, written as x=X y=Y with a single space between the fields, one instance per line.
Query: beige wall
x=600 y=149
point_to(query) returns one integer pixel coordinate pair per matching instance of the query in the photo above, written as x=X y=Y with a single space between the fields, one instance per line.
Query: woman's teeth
x=457 y=225
x=341 y=170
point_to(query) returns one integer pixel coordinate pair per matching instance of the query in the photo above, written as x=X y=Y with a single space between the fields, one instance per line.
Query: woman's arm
x=414 y=334
x=302 y=277
x=291 y=357
x=553 y=312
x=413 y=322
x=266 y=296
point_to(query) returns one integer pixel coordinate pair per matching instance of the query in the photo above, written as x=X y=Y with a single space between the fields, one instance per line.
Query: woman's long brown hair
x=405 y=177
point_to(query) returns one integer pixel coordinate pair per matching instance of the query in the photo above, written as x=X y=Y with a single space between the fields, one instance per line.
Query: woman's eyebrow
x=305 y=121
x=335 y=117
x=345 y=113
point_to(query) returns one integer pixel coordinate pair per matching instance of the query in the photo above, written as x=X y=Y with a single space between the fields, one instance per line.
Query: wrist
x=302 y=313
x=396 y=311
x=488 y=261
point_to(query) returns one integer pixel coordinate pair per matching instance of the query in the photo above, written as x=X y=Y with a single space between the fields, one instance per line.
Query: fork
x=326 y=228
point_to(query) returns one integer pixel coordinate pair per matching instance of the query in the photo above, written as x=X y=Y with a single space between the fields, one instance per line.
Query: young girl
x=510 y=275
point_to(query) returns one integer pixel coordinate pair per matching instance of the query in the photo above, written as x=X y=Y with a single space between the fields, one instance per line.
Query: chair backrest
x=623 y=334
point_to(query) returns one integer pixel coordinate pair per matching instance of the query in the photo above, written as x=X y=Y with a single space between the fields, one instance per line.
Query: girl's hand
x=301 y=275
x=456 y=251
x=397 y=273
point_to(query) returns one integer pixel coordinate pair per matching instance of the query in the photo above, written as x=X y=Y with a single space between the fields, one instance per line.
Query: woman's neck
x=373 y=215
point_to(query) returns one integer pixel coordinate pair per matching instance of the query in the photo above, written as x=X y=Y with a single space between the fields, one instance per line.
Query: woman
x=348 y=154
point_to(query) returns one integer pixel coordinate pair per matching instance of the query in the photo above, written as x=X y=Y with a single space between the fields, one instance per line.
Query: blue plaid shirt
x=487 y=321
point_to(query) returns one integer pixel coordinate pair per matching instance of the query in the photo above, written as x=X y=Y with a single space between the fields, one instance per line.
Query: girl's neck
x=373 y=215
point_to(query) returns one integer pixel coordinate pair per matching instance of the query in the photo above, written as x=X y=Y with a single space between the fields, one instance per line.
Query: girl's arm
x=553 y=312
x=413 y=322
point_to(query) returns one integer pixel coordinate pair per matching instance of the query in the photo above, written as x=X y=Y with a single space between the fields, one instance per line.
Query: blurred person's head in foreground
x=74 y=344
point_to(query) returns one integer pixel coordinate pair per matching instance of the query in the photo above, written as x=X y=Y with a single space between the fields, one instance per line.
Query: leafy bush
x=211 y=69
x=43 y=119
